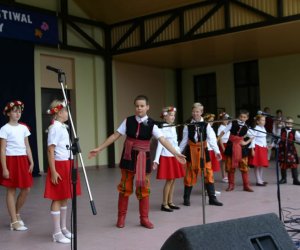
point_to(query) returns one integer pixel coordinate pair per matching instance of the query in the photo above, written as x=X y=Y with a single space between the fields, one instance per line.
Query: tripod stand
x=76 y=153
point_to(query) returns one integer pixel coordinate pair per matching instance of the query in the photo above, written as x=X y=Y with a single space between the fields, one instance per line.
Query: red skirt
x=169 y=168
x=63 y=190
x=260 y=158
x=19 y=176
x=215 y=164
x=222 y=152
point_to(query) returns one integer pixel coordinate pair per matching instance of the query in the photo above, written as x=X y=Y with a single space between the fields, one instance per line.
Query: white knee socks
x=258 y=173
x=56 y=221
x=63 y=217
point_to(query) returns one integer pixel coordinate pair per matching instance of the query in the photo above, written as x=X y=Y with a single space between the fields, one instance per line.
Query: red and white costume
x=224 y=139
x=169 y=168
x=16 y=156
x=59 y=137
x=259 y=143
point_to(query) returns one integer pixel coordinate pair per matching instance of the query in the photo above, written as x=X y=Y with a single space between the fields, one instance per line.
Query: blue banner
x=26 y=25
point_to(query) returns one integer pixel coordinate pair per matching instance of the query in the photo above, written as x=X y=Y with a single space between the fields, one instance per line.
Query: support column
x=179 y=113
x=109 y=99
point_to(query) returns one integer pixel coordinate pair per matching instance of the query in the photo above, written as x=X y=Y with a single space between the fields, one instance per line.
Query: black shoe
x=187 y=203
x=260 y=184
x=173 y=206
x=213 y=201
x=296 y=182
x=165 y=209
x=265 y=182
x=282 y=181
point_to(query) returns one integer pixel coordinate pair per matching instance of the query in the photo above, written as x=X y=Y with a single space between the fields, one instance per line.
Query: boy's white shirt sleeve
x=122 y=128
x=212 y=139
x=297 y=136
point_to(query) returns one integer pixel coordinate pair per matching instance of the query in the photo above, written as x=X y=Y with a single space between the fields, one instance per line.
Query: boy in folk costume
x=192 y=145
x=288 y=156
x=135 y=161
x=237 y=150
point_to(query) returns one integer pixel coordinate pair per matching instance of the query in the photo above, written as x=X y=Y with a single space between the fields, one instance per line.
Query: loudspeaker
x=260 y=232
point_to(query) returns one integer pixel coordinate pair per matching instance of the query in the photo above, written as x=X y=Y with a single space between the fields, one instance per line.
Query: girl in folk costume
x=192 y=143
x=288 y=156
x=259 y=149
x=223 y=142
x=168 y=167
x=135 y=161
x=58 y=186
x=16 y=163
x=237 y=150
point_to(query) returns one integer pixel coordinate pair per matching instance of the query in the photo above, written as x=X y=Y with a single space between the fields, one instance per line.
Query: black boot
x=283 y=176
x=210 y=187
x=295 y=176
x=186 y=195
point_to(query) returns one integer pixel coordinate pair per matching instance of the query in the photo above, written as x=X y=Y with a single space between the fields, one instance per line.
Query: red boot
x=245 y=177
x=230 y=181
x=144 y=211
x=122 y=210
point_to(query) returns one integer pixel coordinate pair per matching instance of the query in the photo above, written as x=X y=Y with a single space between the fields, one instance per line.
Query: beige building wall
x=90 y=97
x=225 y=87
x=131 y=80
x=280 y=84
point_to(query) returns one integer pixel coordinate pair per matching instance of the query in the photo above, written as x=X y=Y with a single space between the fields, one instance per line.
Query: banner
x=27 y=25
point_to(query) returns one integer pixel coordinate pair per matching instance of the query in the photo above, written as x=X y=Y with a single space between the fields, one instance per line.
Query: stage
x=99 y=232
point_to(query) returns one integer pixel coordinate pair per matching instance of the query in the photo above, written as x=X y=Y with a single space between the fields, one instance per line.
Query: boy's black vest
x=202 y=136
x=287 y=150
x=144 y=133
x=240 y=131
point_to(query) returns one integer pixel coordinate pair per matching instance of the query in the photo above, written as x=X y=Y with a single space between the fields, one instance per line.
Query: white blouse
x=259 y=136
x=225 y=137
x=170 y=134
x=58 y=136
x=15 y=138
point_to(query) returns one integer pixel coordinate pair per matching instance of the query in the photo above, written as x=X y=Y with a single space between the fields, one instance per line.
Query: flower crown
x=9 y=106
x=56 y=109
x=209 y=116
x=166 y=110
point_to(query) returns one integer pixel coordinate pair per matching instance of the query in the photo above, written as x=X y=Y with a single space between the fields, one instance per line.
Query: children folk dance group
x=235 y=146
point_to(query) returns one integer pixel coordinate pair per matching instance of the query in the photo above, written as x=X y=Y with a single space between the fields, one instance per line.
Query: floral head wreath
x=10 y=105
x=208 y=117
x=56 y=109
x=166 y=110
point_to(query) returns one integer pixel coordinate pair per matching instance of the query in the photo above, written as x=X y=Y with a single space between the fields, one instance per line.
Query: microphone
x=228 y=117
x=58 y=71
x=157 y=123
x=259 y=112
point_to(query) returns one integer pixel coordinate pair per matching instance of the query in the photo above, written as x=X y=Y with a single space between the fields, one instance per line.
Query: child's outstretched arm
x=180 y=157
x=111 y=139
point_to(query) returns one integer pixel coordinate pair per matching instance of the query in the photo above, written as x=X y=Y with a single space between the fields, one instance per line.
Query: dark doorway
x=205 y=91
x=246 y=85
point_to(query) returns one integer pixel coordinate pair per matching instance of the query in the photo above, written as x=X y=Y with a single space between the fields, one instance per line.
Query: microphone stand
x=75 y=147
x=276 y=140
x=202 y=165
